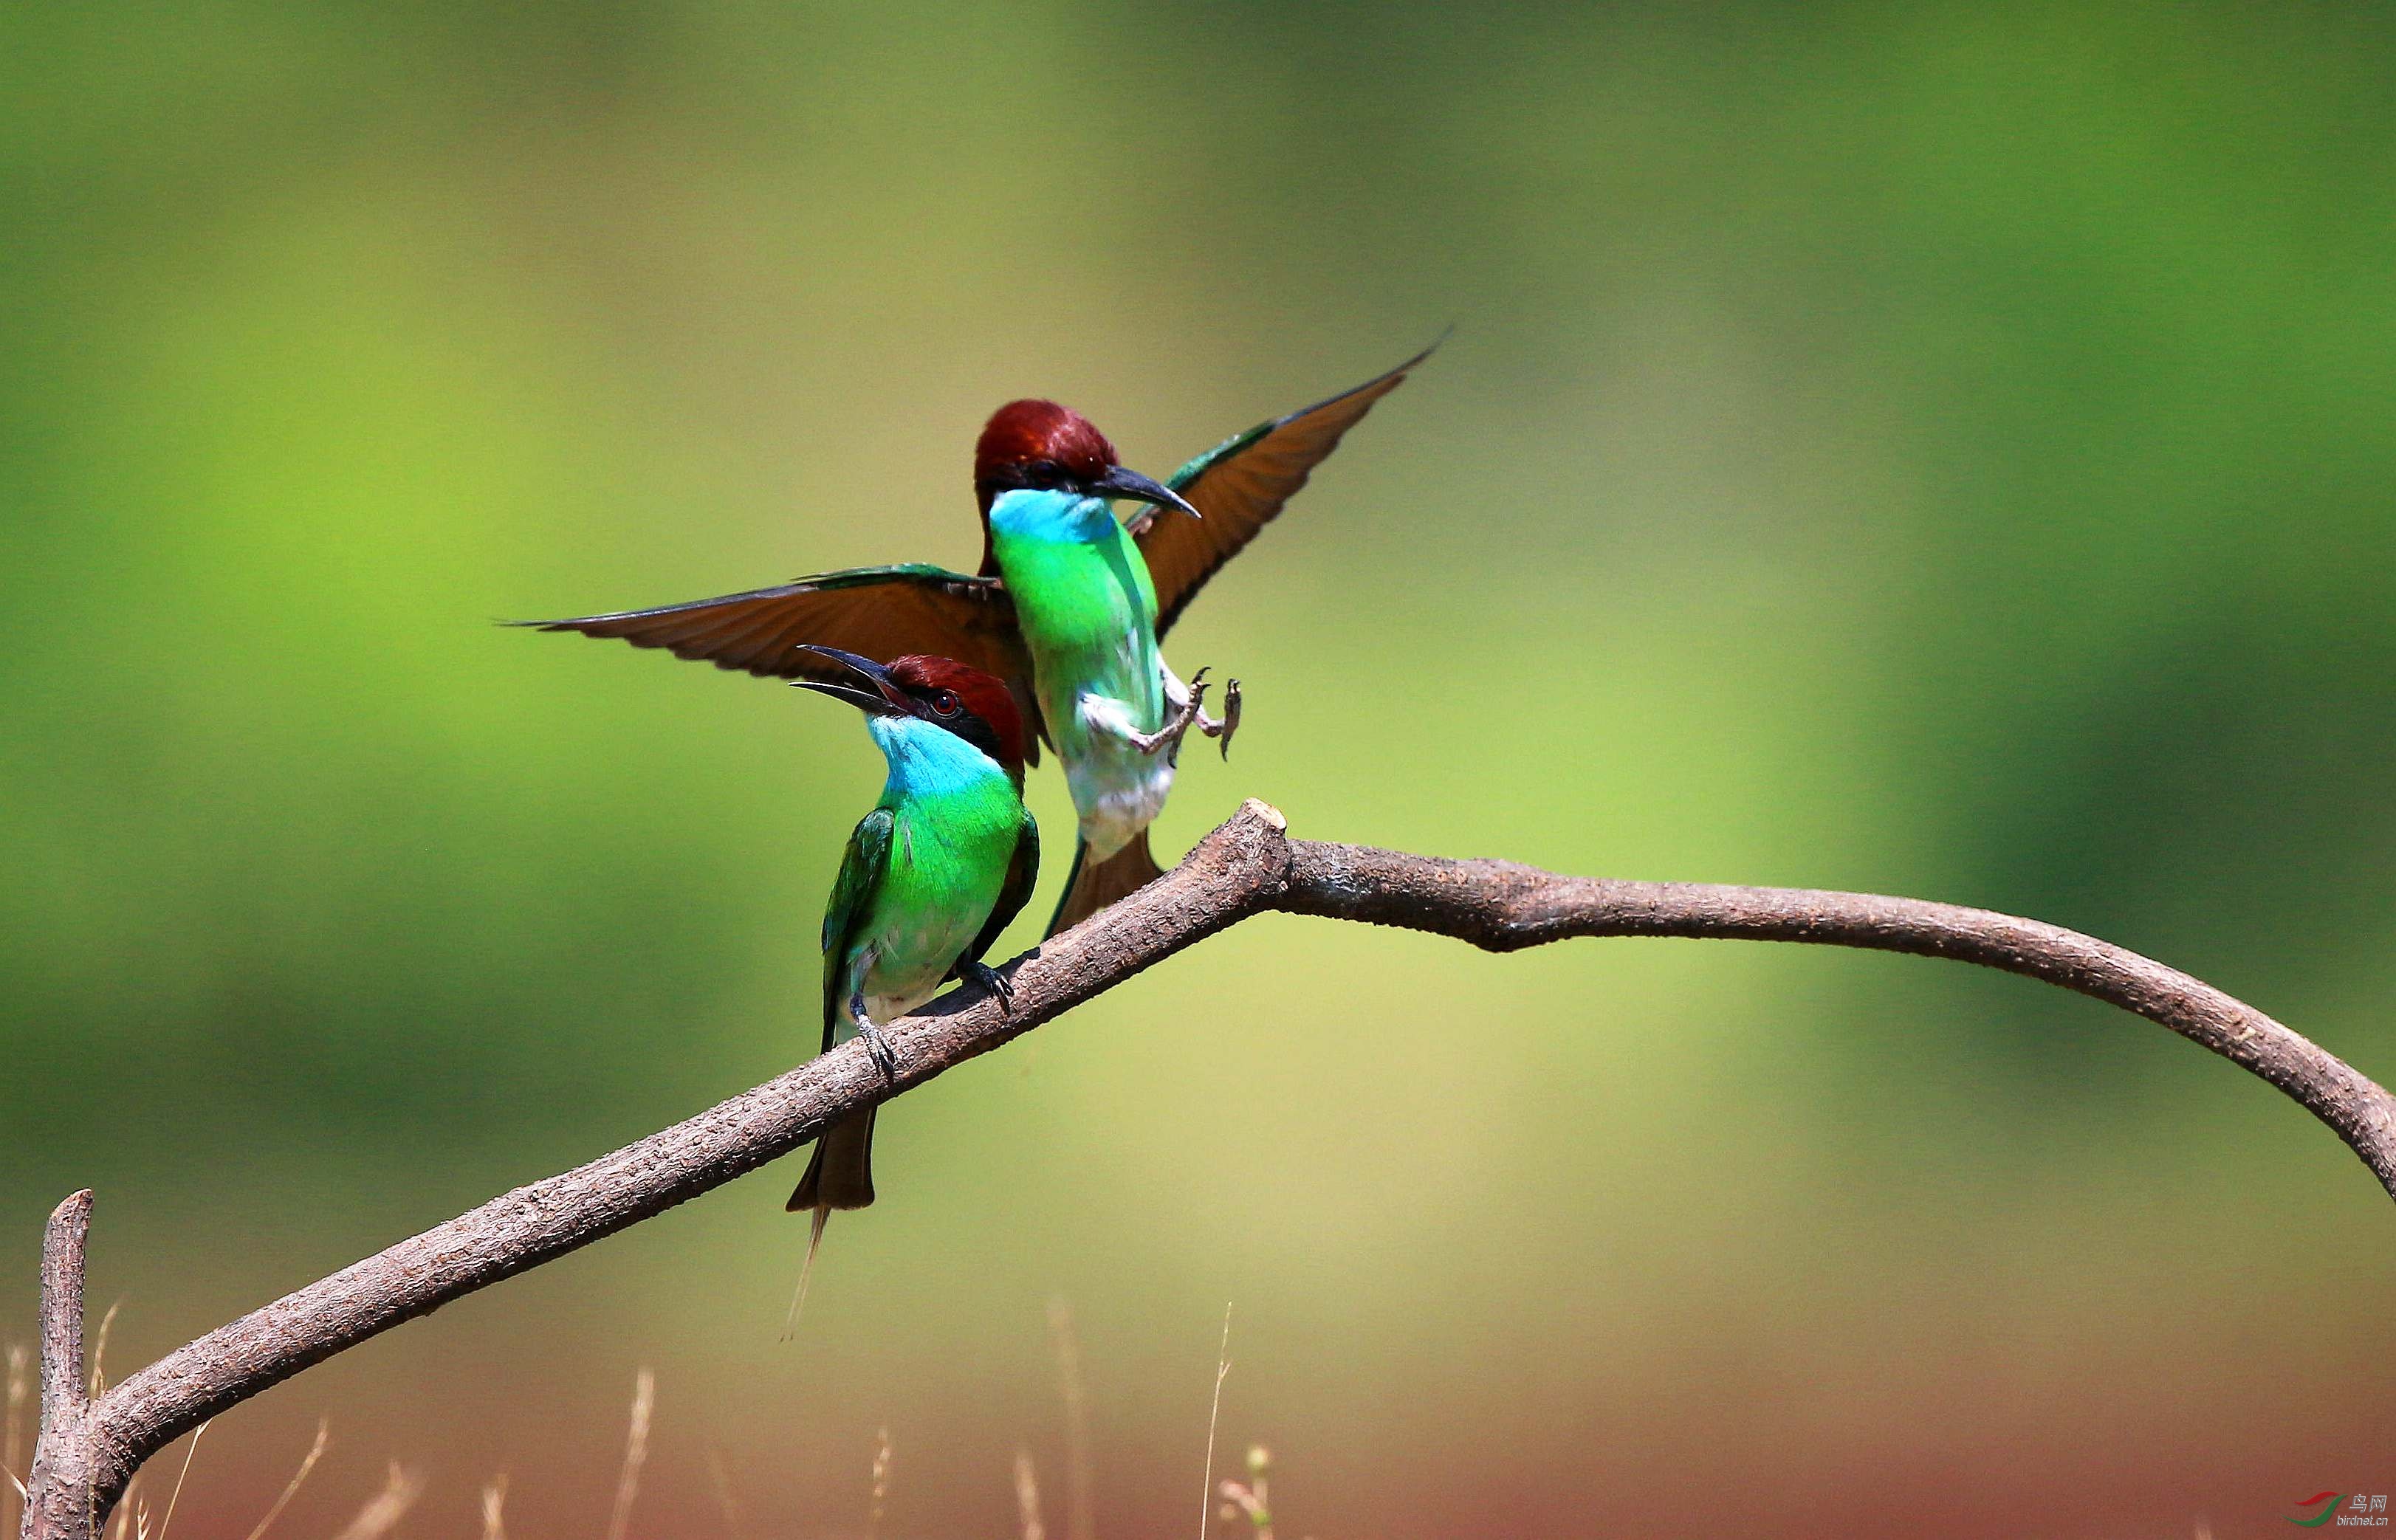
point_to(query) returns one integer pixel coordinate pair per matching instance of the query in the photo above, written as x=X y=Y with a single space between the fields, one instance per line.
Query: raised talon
x=1223 y=731
x=997 y=983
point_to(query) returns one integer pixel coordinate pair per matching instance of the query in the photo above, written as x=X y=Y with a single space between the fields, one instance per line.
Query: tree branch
x=1246 y=867
x=60 y=1491
x=1501 y=907
x=62 y=1246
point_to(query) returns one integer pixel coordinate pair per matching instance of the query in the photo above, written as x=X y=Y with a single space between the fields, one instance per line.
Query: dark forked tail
x=1095 y=884
x=840 y=1176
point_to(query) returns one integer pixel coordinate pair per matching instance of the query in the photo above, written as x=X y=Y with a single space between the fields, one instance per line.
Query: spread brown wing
x=1240 y=484
x=881 y=613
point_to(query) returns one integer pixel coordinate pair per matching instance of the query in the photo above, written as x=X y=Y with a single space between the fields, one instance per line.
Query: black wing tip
x=576 y=622
x=1393 y=377
x=1412 y=363
x=839 y=578
x=1436 y=343
x=1379 y=385
x=579 y=625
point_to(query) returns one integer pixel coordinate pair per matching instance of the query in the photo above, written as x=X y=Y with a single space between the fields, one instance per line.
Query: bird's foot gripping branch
x=88 y=1449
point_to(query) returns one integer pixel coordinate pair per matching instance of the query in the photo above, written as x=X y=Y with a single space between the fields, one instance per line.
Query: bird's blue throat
x=1029 y=514
x=928 y=760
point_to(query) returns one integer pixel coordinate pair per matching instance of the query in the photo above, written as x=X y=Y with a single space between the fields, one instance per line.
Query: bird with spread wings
x=884 y=612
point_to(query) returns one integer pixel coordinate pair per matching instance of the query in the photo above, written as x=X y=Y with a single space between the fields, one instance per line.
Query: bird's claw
x=1221 y=731
x=995 y=982
x=877 y=1048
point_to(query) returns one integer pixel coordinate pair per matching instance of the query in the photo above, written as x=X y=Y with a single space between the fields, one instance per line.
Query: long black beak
x=1121 y=482
x=885 y=698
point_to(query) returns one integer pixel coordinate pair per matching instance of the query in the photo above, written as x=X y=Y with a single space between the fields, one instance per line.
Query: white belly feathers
x=1117 y=789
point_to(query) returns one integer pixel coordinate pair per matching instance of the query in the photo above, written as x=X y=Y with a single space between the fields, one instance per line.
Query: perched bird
x=944 y=861
x=1068 y=607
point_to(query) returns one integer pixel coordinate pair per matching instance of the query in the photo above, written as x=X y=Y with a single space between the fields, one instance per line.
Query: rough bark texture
x=61 y=1488
x=87 y=1451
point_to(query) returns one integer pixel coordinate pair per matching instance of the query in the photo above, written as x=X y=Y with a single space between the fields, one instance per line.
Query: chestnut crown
x=976 y=705
x=1041 y=444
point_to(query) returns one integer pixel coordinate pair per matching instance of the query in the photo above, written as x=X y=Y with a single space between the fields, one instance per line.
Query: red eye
x=945 y=703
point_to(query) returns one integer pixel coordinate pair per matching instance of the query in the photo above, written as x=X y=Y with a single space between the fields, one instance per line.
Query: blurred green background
x=1941 y=451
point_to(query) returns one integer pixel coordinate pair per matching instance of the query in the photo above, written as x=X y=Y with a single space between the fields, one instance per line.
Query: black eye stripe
x=1037 y=476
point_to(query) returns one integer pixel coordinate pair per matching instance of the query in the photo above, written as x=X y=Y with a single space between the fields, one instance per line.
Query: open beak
x=877 y=697
x=1120 y=482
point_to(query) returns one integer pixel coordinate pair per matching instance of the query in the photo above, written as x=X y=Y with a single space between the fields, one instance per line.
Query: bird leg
x=1184 y=716
x=877 y=1047
x=1223 y=731
x=993 y=982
